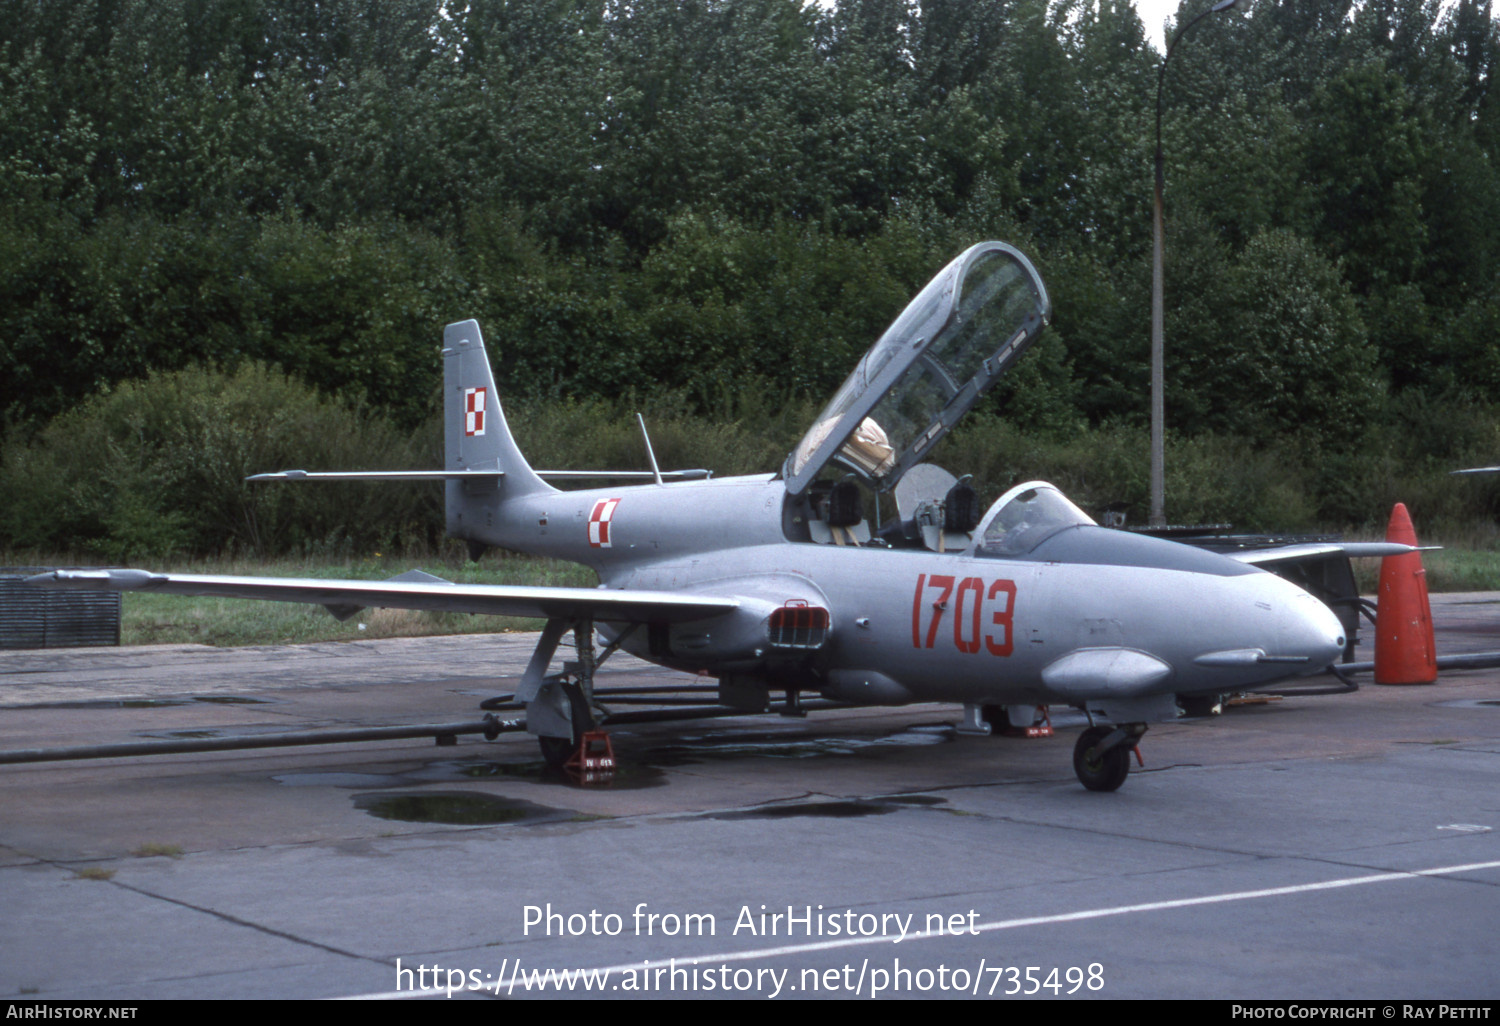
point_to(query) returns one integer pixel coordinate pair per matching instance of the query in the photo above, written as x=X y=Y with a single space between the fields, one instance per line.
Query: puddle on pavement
x=111 y=703
x=150 y=703
x=630 y=774
x=833 y=810
x=626 y=777
x=700 y=748
x=1470 y=703
x=359 y=780
x=456 y=808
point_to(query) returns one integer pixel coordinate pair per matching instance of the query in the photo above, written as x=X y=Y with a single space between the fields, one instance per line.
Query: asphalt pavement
x=1332 y=847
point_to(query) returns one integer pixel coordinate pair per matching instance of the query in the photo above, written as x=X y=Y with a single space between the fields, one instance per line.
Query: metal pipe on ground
x=1461 y=661
x=490 y=727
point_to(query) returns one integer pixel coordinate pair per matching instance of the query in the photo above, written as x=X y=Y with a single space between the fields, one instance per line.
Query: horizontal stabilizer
x=380 y=475
x=697 y=474
x=478 y=475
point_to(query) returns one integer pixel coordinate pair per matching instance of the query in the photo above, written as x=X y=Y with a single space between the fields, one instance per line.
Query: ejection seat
x=843 y=518
x=934 y=511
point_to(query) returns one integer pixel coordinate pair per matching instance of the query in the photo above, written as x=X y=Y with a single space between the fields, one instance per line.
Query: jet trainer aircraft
x=776 y=582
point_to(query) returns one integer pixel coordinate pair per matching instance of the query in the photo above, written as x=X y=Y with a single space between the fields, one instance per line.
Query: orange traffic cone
x=1405 y=652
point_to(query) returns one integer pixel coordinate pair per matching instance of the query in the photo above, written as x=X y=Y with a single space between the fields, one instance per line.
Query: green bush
x=158 y=467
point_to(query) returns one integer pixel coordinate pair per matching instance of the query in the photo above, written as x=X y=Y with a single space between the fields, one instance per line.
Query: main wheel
x=558 y=750
x=1100 y=771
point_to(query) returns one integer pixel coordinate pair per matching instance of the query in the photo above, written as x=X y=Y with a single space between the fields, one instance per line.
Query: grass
x=179 y=619
x=1460 y=570
x=94 y=873
x=1467 y=561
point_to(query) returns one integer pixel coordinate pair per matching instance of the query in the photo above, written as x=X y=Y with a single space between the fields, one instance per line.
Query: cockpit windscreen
x=1023 y=518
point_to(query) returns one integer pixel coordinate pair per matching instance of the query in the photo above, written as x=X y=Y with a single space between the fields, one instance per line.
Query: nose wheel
x=1101 y=758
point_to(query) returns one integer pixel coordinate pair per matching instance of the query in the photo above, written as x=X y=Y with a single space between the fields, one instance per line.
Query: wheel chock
x=595 y=754
x=1041 y=726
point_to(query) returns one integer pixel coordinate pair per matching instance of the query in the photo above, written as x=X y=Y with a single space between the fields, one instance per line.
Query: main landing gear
x=560 y=707
x=556 y=751
x=1101 y=758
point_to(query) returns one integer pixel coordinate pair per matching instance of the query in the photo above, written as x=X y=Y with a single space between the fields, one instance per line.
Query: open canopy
x=946 y=349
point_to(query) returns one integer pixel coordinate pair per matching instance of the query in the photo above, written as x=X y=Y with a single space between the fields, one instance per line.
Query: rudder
x=475 y=434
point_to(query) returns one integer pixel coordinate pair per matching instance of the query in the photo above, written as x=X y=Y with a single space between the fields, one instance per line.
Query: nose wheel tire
x=1100 y=771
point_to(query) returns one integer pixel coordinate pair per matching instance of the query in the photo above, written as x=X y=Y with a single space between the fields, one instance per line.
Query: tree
x=1273 y=346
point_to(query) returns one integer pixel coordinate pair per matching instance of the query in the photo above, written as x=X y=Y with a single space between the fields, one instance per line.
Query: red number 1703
x=970 y=600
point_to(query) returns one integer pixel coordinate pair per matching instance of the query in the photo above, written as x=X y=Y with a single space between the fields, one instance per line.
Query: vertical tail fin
x=475 y=434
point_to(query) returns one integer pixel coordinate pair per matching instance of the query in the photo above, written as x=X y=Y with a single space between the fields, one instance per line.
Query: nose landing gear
x=1101 y=757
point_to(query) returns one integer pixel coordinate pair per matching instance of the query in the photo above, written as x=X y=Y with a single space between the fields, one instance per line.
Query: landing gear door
x=932 y=364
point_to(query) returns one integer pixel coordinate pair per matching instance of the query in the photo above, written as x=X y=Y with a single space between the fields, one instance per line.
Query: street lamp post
x=1158 y=405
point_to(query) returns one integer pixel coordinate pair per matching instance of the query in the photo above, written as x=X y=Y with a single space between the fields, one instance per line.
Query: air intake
x=799 y=625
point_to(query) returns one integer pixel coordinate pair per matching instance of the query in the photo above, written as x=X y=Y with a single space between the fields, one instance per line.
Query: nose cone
x=1306 y=629
x=1270 y=630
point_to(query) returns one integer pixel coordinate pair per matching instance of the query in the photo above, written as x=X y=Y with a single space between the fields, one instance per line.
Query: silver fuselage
x=917 y=625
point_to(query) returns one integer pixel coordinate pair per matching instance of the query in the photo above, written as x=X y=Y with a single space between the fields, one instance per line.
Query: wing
x=410 y=591
x=1313 y=550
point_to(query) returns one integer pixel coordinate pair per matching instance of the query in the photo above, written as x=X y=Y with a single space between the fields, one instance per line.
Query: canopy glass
x=947 y=348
